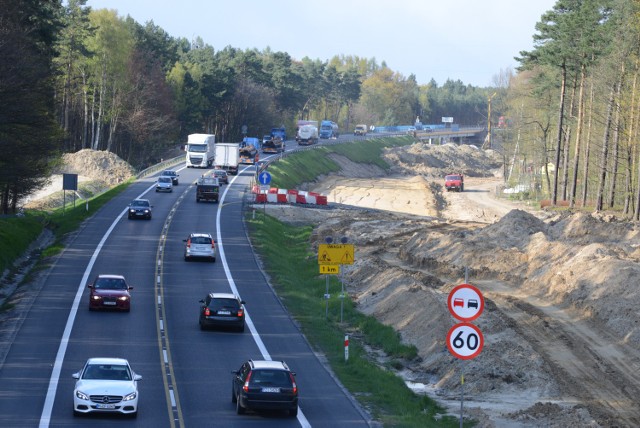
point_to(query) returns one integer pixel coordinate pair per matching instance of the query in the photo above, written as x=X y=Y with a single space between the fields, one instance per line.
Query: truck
x=249 y=154
x=207 y=189
x=200 y=150
x=307 y=135
x=228 y=157
x=255 y=141
x=279 y=132
x=273 y=145
x=454 y=182
x=329 y=129
x=360 y=130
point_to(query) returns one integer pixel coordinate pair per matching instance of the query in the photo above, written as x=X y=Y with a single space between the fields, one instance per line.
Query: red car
x=110 y=292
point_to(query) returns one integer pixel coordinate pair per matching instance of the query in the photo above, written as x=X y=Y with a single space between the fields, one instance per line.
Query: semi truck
x=200 y=150
x=249 y=154
x=228 y=157
x=329 y=129
x=307 y=134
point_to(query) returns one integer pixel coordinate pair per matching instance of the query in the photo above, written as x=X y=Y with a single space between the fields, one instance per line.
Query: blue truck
x=279 y=132
x=329 y=129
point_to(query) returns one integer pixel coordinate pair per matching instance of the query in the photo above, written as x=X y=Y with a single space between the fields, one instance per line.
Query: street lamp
x=489 y=121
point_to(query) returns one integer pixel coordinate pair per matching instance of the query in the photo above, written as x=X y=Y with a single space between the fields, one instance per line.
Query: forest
x=73 y=78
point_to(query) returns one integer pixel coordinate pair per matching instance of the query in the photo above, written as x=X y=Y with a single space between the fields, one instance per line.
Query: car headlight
x=81 y=395
x=123 y=298
x=96 y=297
x=131 y=210
x=146 y=211
x=130 y=397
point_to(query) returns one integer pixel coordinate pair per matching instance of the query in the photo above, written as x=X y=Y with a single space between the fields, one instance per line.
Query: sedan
x=164 y=184
x=222 y=310
x=110 y=292
x=140 y=208
x=106 y=385
x=171 y=174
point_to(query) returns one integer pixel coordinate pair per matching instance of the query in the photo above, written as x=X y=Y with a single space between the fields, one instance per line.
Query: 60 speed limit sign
x=465 y=341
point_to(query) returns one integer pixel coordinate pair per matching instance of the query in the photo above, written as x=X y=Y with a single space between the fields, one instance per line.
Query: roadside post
x=464 y=340
x=330 y=258
x=264 y=178
x=346 y=348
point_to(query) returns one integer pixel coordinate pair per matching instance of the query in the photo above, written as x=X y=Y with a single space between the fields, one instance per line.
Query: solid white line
x=254 y=333
x=45 y=417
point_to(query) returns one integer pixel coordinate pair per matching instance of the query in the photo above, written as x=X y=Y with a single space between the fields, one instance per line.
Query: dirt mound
x=97 y=172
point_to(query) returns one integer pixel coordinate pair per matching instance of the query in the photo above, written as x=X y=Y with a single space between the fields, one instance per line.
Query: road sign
x=335 y=254
x=465 y=302
x=264 y=177
x=330 y=269
x=465 y=341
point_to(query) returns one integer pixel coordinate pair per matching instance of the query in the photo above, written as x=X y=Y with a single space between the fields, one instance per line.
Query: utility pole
x=489 y=122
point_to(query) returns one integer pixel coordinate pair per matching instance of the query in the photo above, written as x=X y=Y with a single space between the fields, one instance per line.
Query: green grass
x=16 y=234
x=294 y=271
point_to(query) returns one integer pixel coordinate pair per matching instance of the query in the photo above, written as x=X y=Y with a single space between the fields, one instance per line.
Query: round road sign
x=465 y=302
x=465 y=341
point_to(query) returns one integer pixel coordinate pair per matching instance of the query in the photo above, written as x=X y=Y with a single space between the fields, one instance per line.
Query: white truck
x=228 y=157
x=200 y=150
x=307 y=135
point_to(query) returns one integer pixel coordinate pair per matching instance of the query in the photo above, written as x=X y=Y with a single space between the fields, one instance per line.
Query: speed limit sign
x=465 y=341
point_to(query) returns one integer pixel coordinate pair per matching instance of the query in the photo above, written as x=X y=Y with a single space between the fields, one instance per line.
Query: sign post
x=464 y=340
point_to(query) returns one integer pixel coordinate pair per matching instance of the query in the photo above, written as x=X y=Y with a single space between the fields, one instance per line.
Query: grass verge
x=293 y=268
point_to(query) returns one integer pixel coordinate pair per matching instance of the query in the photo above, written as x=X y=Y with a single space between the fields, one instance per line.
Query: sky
x=468 y=40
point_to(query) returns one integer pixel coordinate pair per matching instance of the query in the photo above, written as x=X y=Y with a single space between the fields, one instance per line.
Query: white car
x=200 y=246
x=106 y=385
x=164 y=184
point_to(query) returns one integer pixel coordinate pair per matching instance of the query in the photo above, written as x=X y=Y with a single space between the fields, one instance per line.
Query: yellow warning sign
x=335 y=254
x=329 y=269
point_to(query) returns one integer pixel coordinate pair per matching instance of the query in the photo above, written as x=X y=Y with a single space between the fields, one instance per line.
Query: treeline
x=74 y=78
x=573 y=108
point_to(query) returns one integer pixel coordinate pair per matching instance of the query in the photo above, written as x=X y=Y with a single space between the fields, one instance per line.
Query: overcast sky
x=467 y=40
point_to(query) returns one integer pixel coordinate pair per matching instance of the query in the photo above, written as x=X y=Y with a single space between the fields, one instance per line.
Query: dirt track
x=561 y=346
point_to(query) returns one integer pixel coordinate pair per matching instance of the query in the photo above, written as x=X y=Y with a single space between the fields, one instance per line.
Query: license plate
x=105 y=406
x=224 y=313
x=109 y=303
x=271 y=390
x=139 y=213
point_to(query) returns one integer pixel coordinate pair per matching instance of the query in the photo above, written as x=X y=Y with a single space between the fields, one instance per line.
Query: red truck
x=454 y=182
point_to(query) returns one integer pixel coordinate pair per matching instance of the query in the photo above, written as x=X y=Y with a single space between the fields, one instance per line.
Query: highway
x=186 y=372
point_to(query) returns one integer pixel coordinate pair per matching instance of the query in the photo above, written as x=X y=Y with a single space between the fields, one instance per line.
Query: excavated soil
x=561 y=322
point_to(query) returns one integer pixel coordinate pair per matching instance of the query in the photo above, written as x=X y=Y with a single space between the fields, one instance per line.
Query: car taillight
x=293 y=384
x=213 y=246
x=188 y=243
x=207 y=312
x=245 y=387
x=240 y=312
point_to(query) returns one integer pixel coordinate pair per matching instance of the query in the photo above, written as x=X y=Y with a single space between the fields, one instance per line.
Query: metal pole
x=461 y=392
x=341 y=293
x=326 y=299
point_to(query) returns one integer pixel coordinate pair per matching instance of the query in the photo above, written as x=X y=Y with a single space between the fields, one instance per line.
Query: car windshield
x=164 y=180
x=139 y=203
x=217 y=304
x=270 y=378
x=452 y=177
x=169 y=173
x=198 y=148
x=110 y=284
x=107 y=372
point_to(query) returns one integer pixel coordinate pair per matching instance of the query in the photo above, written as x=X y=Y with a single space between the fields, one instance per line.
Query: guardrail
x=160 y=166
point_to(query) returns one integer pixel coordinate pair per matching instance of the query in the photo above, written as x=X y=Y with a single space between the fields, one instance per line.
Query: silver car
x=200 y=246
x=164 y=184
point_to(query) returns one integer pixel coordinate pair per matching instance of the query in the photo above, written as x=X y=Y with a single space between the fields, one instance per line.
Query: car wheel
x=213 y=260
x=239 y=409
x=241 y=328
x=233 y=396
x=156 y=190
x=197 y=199
x=133 y=415
x=293 y=412
x=76 y=413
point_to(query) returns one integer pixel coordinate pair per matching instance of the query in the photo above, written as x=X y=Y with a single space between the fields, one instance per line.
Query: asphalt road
x=186 y=372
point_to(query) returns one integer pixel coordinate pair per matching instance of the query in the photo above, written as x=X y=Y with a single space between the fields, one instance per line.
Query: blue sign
x=264 y=177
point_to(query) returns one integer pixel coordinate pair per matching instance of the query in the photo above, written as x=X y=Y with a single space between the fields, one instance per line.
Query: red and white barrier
x=282 y=196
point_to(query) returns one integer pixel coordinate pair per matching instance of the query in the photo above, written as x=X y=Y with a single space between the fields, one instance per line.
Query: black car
x=264 y=385
x=140 y=208
x=222 y=310
x=174 y=176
